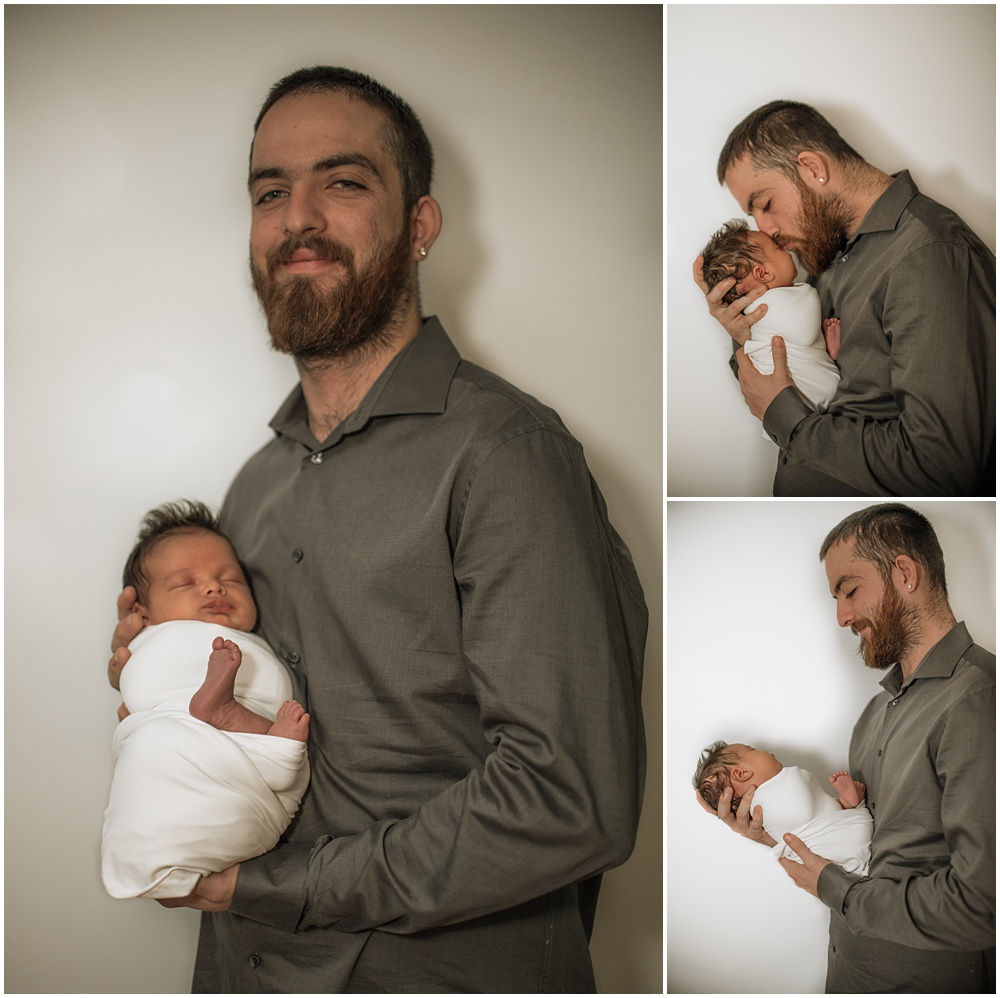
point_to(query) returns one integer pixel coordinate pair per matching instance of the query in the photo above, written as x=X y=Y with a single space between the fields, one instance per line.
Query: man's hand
x=805 y=874
x=760 y=390
x=130 y=623
x=750 y=827
x=212 y=893
x=730 y=316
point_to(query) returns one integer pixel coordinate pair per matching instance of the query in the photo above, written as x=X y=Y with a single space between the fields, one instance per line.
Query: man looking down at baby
x=923 y=919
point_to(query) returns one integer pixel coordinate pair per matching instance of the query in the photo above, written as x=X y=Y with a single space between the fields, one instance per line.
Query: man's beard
x=822 y=223
x=311 y=321
x=893 y=631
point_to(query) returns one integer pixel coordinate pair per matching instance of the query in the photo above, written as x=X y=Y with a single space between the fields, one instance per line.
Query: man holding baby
x=923 y=918
x=914 y=290
x=434 y=563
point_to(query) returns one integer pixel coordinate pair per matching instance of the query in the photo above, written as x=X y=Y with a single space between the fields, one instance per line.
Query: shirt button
x=293 y=658
x=297 y=554
x=843 y=259
x=895 y=703
x=317 y=458
x=879 y=752
x=254 y=961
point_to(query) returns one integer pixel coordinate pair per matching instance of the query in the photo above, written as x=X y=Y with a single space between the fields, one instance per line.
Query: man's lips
x=306 y=261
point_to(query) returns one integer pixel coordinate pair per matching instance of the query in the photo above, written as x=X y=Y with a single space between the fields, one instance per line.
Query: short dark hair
x=405 y=137
x=776 y=133
x=882 y=533
x=712 y=776
x=182 y=516
x=730 y=253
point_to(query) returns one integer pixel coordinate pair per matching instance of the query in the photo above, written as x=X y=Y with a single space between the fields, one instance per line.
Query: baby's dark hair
x=713 y=776
x=178 y=517
x=730 y=253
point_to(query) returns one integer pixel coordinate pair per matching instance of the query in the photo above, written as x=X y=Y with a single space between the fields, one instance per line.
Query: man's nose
x=766 y=225
x=845 y=616
x=303 y=213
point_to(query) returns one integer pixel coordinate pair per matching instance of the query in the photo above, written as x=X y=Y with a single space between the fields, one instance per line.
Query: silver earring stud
x=909 y=587
x=423 y=251
x=822 y=180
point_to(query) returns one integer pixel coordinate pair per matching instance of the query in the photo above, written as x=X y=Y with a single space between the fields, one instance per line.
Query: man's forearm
x=930 y=912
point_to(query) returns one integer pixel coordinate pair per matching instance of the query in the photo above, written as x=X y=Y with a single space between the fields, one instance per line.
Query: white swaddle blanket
x=795 y=315
x=186 y=798
x=794 y=801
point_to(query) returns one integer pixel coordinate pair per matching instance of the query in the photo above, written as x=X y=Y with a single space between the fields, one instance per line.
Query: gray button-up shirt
x=466 y=630
x=925 y=750
x=914 y=415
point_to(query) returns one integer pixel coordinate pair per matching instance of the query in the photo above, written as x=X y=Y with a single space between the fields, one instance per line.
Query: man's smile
x=306 y=261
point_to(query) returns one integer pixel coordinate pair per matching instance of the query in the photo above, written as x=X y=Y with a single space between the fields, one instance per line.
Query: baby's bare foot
x=292 y=722
x=215 y=702
x=847 y=789
x=831 y=333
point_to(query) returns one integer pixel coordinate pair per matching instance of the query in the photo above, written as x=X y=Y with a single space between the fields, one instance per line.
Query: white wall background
x=909 y=86
x=137 y=369
x=755 y=656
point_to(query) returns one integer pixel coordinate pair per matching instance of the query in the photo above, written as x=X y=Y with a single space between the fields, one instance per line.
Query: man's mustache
x=323 y=247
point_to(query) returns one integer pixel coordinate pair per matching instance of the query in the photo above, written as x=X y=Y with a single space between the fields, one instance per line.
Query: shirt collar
x=939 y=663
x=416 y=381
x=885 y=213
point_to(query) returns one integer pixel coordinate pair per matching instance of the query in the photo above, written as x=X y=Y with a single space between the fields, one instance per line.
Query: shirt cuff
x=271 y=888
x=833 y=884
x=784 y=413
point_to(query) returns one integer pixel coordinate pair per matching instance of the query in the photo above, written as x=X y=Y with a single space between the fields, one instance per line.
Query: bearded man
x=923 y=920
x=913 y=291
x=432 y=559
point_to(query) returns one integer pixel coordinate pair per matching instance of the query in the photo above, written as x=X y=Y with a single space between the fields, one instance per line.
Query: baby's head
x=736 y=766
x=182 y=568
x=748 y=255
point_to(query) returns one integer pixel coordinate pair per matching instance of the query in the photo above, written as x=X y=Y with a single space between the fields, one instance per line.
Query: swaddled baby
x=210 y=760
x=793 y=310
x=793 y=801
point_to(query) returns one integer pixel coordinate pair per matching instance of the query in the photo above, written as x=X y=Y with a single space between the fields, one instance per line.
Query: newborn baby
x=793 y=800
x=793 y=310
x=210 y=757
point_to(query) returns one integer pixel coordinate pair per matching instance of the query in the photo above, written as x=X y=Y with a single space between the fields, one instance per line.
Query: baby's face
x=752 y=766
x=195 y=575
x=777 y=270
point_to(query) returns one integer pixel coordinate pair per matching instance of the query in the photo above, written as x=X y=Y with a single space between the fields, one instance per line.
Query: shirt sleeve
x=553 y=630
x=939 y=313
x=953 y=907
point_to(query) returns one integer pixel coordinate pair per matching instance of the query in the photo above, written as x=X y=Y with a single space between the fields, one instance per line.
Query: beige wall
x=137 y=368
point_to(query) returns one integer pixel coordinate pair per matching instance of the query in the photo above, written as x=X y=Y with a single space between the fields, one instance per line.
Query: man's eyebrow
x=330 y=163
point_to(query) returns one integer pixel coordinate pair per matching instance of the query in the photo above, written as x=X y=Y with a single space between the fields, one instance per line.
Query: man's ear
x=908 y=572
x=425 y=224
x=814 y=168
